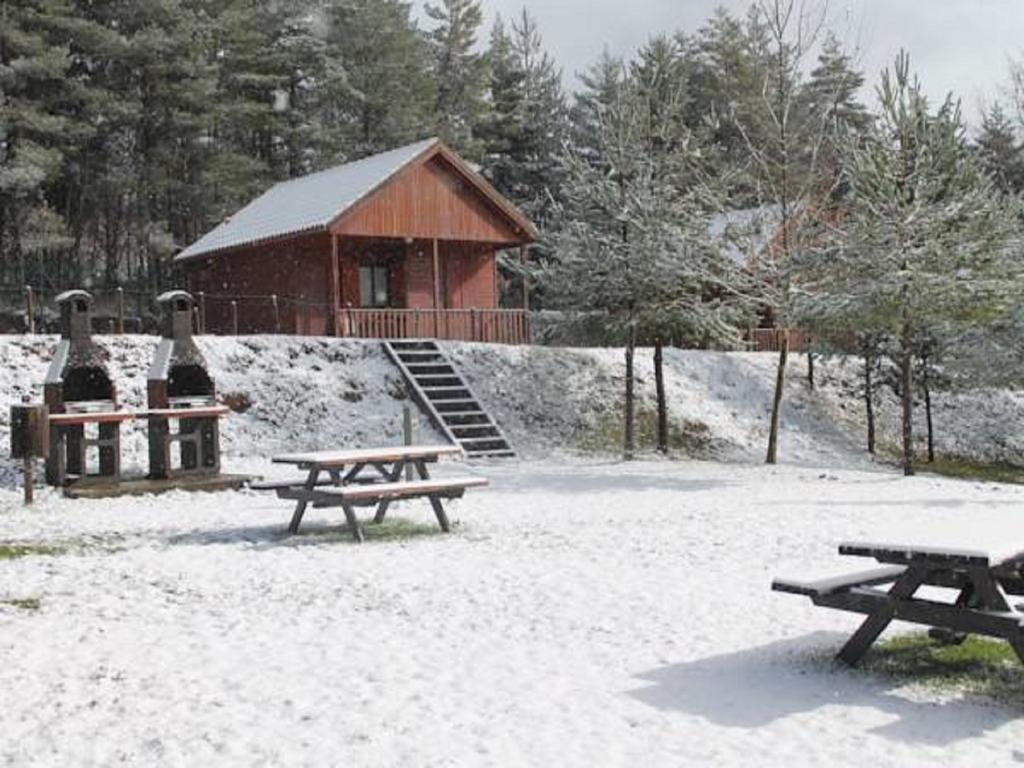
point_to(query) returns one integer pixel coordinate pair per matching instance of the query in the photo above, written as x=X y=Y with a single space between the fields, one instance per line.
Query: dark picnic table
x=982 y=584
x=379 y=468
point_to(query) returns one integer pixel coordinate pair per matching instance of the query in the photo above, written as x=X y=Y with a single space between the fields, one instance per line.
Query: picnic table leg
x=382 y=511
x=991 y=598
x=966 y=599
x=300 y=506
x=353 y=522
x=442 y=517
x=392 y=477
x=858 y=644
x=421 y=468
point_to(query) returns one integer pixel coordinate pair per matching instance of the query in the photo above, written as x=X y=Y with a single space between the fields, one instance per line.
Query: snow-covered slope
x=317 y=393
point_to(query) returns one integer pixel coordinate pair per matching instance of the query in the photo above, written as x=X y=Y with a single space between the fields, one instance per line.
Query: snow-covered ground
x=584 y=612
x=330 y=392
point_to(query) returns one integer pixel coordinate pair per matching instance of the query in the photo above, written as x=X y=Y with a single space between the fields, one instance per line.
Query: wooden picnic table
x=328 y=471
x=982 y=579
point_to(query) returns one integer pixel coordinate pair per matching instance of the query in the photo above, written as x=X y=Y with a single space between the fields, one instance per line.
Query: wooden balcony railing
x=492 y=326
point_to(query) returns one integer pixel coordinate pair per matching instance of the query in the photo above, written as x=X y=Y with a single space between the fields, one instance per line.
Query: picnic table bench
x=982 y=580
x=368 y=477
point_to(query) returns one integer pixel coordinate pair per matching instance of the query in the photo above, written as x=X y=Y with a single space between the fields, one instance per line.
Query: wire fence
x=25 y=309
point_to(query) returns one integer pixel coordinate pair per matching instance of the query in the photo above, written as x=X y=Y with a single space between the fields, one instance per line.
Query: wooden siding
x=428 y=201
x=296 y=270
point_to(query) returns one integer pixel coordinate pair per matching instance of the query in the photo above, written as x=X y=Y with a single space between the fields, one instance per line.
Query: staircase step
x=453 y=415
x=442 y=406
x=401 y=345
x=483 y=443
x=430 y=369
x=439 y=382
x=481 y=430
x=442 y=392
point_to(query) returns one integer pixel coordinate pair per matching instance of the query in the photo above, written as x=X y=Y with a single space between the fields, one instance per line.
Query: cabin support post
x=335 y=287
x=437 y=284
x=523 y=251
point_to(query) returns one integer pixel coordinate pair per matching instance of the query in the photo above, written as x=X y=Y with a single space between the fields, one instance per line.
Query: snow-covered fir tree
x=925 y=242
x=632 y=248
x=1000 y=149
x=460 y=72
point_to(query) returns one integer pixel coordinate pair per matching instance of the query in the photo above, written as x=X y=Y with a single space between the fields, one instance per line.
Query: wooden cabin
x=399 y=245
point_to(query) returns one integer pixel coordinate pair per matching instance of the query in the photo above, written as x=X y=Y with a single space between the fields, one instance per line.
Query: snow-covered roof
x=308 y=203
x=745 y=233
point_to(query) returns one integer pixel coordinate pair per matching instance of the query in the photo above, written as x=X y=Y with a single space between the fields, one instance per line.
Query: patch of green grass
x=691 y=438
x=973 y=470
x=392 y=529
x=13 y=551
x=979 y=665
x=27 y=604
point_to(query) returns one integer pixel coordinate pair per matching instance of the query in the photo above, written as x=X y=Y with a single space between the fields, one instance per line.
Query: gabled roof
x=313 y=203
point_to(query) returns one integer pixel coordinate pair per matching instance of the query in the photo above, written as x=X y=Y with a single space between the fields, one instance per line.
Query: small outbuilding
x=399 y=245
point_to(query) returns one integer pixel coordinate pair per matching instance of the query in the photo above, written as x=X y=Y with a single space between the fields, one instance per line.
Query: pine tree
x=829 y=98
x=1000 y=150
x=459 y=71
x=37 y=132
x=384 y=55
x=527 y=123
x=728 y=59
x=926 y=240
x=630 y=246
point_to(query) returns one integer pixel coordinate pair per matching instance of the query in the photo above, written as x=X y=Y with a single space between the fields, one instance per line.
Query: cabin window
x=373 y=287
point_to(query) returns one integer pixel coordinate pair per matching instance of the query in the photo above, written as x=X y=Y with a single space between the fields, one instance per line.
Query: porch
x=490 y=326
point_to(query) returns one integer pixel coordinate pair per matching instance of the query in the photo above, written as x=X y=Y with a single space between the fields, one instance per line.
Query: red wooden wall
x=429 y=201
x=297 y=270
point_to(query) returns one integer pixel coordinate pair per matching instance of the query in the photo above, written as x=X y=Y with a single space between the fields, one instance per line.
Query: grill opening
x=189 y=380
x=88 y=384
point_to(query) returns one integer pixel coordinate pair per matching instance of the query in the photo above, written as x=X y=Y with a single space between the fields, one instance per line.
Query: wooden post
x=437 y=285
x=30 y=310
x=523 y=255
x=234 y=317
x=335 y=285
x=30 y=438
x=409 y=433
x=30 y=479
x=277 y=313
x=202 y=312
x=120 y=310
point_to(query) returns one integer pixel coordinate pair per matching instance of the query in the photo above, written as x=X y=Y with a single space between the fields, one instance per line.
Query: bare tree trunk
x=659 y=385
x=869 y=394
x=629 y=438
x=928 y=414
x=780 y=384
x=907 y=393
x=810 y=370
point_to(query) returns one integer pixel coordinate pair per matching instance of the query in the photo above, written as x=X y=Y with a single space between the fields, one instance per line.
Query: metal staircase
x=443 y=394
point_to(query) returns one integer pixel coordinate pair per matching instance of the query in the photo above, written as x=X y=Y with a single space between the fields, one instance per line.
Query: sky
x=955 y=45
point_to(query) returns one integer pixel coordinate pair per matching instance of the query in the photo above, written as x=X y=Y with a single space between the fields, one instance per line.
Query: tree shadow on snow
x=591 y=479
x=311 y=534
x=757 y=687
